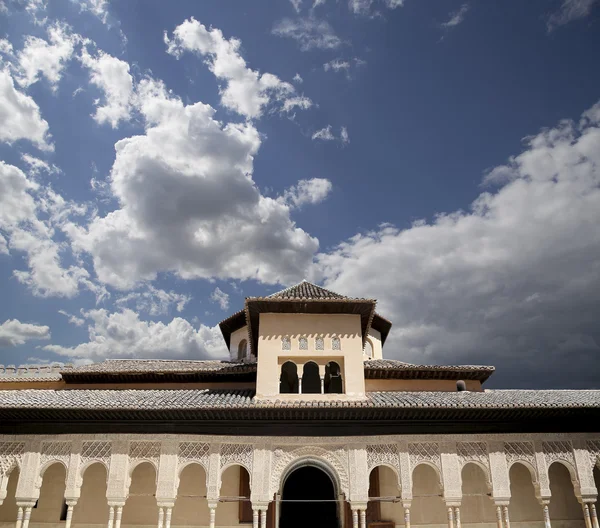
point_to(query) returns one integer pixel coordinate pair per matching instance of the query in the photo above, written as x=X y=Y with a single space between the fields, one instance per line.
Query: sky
x=161 y=161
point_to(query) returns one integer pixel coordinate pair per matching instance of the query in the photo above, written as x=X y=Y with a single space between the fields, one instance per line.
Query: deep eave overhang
x=254 y=306
x=382 y=325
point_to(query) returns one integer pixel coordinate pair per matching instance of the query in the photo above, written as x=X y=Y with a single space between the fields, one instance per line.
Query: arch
x=7 y=470
x=482 y=467
x=530 y=467
x=288 y=379
x=428 y=506
x=190 y=498
x=242 y=350
x=564 y=504
x=90 y=463
x=8 y=508
x=316 y=489
x=133 y=465
x=316 y=461
x=47 y=465
x=432 y=465
x=388 y=466
x=567 y=464
x=311 y=379
x=235 y=481
x=524 y=505
x=476 y=489
x=368 y=348
x=92 y=503
x=384 y=481
x=52 y=493
x=333 y=383
x=141 y=506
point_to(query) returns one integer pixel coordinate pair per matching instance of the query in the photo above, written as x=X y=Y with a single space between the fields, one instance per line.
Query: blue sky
x=160 y=162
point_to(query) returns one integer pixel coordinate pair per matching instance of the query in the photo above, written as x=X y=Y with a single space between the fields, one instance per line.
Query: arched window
x=311 y=381
x=242 y=350
x=303 y=343
x=286 y=343
x=288 y=381
x=333 y=379
x=319 y=343
x=336 y=344
x=369 y=348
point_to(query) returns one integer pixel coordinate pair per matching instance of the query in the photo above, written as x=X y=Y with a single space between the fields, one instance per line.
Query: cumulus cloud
x=154 y=300
x=121 y=335
x=514 y=281
x=215 y=222
x=569 y=11
x=247 y=92
x=310 y=33
x=37 y=166
x=311 y=191
x=20 y=116
x=73 y=319
x=13 y=333
x=456 y=17
x=39 y=56
x=221 y=298
x=112 y=77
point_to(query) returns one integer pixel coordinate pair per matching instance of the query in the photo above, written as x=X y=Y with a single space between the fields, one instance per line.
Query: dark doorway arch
x=311 y=380
x=288 y=380
x=307 y=484
x=333 y=378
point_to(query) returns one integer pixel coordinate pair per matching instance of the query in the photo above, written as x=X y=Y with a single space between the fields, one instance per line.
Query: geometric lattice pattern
x=519 y=451
x=194 y=451
x=476 y=451
x=237 y=453
x=10 y=455
x=56 y=451
x=554 y=451
x=424 y=452
x=378 y=454
x=144 y=450
x=319 y=343
x=303 y=343
x=336 y=344
x=286 y=343
x=95 y=451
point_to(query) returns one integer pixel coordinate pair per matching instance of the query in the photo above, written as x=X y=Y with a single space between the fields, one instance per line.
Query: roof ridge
x=312 y=284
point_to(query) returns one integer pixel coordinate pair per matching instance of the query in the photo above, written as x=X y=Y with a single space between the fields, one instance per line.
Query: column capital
x=116 y=504
x=165 y=504
x=501 y=501
x=452 y=503
x=358 y=505
x=26 y=503
x=212 y=505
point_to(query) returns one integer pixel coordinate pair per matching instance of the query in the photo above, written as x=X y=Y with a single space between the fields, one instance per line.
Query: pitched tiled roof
x=306 y=290
x=393 y=369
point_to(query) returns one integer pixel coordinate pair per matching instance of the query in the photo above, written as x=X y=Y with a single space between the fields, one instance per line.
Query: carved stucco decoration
x=594 y=450
x=428 y=452
x=143 y=452
x=92 y=452
x=55 y=451
x=561 y=451
x=198 y=452
x=335 y=457
x=241 y=454
x=383 y=454
x=10 y=456
x=523 y=452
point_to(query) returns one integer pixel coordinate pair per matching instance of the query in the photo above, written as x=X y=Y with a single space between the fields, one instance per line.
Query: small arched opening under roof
x=288 y=379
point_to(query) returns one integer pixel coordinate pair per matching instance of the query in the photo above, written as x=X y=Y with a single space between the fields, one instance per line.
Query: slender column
x=363 y=518
x=546 y=511
x=499 y=516
x=168 y=517
x=70 y=506
x=355 y=518
x=263 y=518
x=586 y=514
x=119 y=514
x=111 y=516
x=506 y=518
x=322 y=384
x=457 y=516
x=299 y=384
x=406 y=517
x=255 y=518
x=213 y=513
x=450 y=517
x=26 y=516
x=593 y=515
x=19 y=517
x=161 y=517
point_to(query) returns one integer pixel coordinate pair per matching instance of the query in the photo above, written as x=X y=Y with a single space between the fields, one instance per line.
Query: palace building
x=306 y=425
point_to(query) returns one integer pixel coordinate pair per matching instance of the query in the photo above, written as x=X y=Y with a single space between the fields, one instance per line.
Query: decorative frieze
x=237 y=454
x=382 y=454
x=555 y=451
x=10 y=456
x=149 y=451
x=424 y=452
x=51 y=451
x=519 y=452
x=194 y=452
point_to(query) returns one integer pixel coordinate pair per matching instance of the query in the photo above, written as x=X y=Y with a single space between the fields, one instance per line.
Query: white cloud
x=326 y=134
x=6 y=47
x=298 y=79
x=36 y=165
x=343 y=65
x=98 y=8
x=73 y=319
x=221 y=298
x=16 y=204
x=511 y=281
x=20 y=116
x=363 y=7
x=296 y=4
x=111 y=75
x=123 y=335
x=311 y=191
x=569 y=11
x=3 y=245
x=310 y=33
x=155 y=301
x=46 y=58
x=14 y=333
x=247 y=92
x=215 y=224
x=456 y=17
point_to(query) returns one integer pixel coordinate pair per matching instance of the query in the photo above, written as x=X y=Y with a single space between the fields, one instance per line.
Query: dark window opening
x=311 y=381
x=288 y=380
x=333 y=379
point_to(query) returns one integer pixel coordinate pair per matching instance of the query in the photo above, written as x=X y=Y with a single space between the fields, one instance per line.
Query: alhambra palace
x=306 y=425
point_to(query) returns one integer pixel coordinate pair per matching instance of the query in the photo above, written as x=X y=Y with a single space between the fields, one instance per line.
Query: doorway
x=308 y=499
